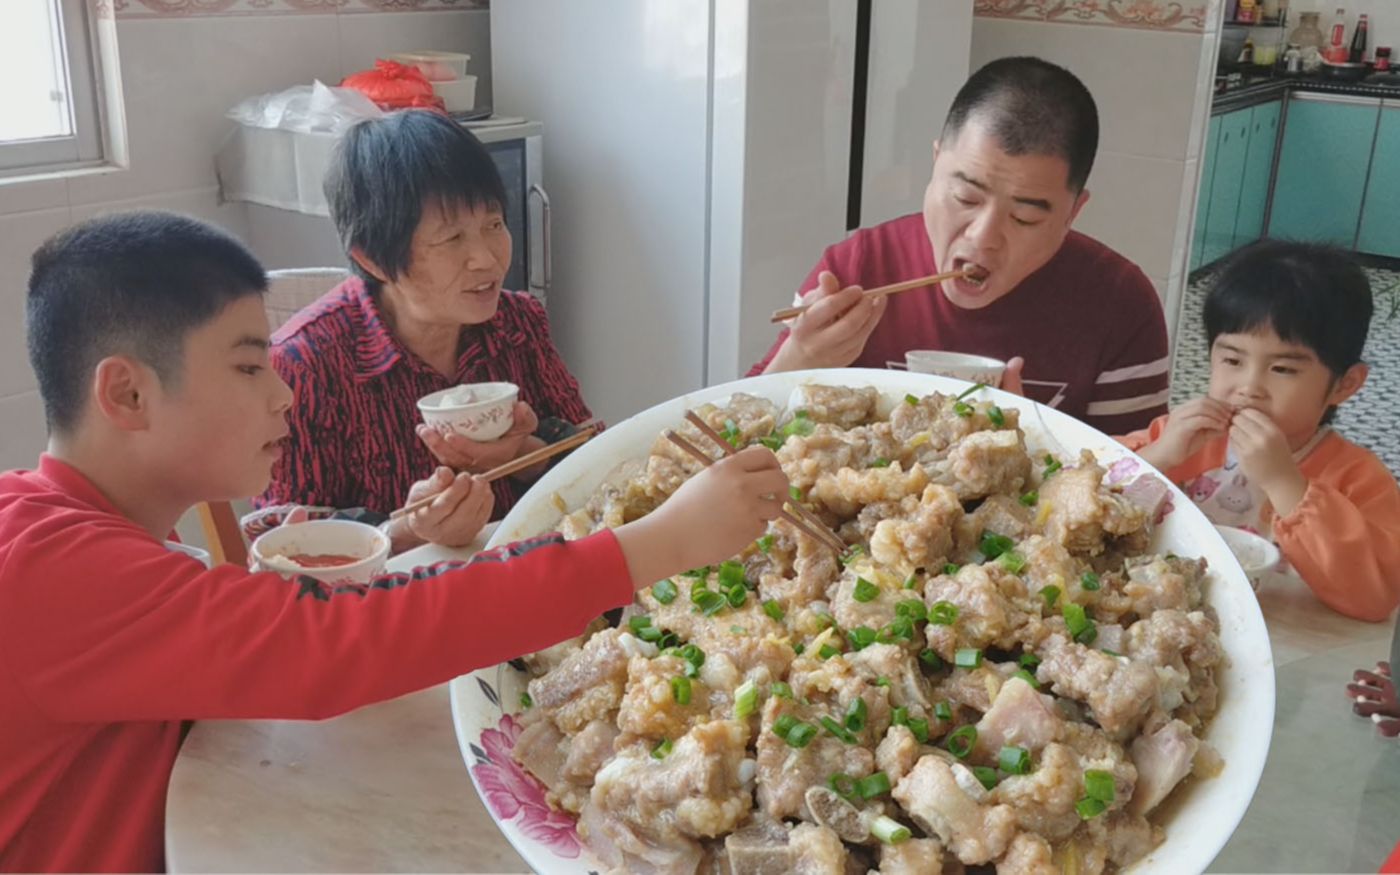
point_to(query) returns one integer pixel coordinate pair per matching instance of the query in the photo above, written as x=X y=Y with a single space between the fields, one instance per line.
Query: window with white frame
x=49 y=94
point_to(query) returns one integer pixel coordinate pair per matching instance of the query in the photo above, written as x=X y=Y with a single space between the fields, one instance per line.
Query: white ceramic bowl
x=958 y=365
x=275 y=550
x=484 y=702
x=1256 y=554
x=485 y=417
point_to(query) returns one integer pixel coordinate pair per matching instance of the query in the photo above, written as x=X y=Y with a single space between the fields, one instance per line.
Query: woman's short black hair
x=386 y=169
x=126 y=284
x=1309 y=294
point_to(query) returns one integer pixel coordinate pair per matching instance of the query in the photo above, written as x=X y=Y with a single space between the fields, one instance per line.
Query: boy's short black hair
x=1309 y=294
x=1031 y=107
x=386 y=169
x=126 y=284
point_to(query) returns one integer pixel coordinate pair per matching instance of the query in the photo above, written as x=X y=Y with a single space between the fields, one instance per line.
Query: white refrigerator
x=702 y=153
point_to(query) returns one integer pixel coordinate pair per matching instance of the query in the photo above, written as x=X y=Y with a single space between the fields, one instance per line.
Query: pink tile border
x=128 y=9
x=1164 y=15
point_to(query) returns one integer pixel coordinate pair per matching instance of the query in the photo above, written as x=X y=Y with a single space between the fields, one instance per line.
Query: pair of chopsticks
x=529 y=460
x=804 y=521
x=882 y=291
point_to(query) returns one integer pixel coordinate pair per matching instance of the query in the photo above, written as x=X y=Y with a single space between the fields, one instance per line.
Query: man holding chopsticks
x=1080 y=326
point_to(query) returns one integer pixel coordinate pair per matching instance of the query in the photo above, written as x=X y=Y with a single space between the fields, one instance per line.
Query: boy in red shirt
x=149 y=339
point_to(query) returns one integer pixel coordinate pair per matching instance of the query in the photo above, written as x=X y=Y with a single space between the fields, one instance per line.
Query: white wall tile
x=22 y=431
x=20 y=235
x=179 y=78
x=202 y=203
x=40 y=193
x=363 y=38
x=1133 y=207
x=283 y=239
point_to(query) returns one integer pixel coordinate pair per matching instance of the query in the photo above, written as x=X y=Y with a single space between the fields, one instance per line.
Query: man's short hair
x=1031 y=107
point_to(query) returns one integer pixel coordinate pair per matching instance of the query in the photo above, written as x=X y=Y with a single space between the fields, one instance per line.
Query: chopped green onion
x=663 y=747
x=993 y=545
x=931 y=659
x=1050 y=594
x=913 y=609
x=865 y=590
x=911 y=400
x=899 y=716
x=950 y=569
x=943 y=711
x=772 y=442
x=798 y=425
x=962 y=408
x=651 y=633
x=910 y=582
x=824 y=620
x=700 y=573
x=693 y=655
x=889 y=830
x=680 y=690
x=798 y=648
x=774 y=610
x=794 y=493
x=1099 y=784
x=664 y=591
x=707 y=602
x=783 y=725
x=765 y=544
x=838 y=730
x=968 y=657
x=737 y=595
x=638 y=622
x=876 y=784
x=988 y=776
x=801 y=735
x=526 y=701
x=881 y=462
x=856 y=715
x=961 y=742
x=780 y=689
x=731 y=574
x=860 y=637
x=842 y=785
x=1012 y=561
x=1090 y=581
x=854 y=552
x=1014 y=760
x=919 y=726
x=943 y=613
x=1052 y=465
x=1027 y=677
x=827 y=651
x=1109 y=652
x=971 y=389
x=745 y=700
x=1029 y=660
x=901 y=629
x=1080 y=626
x=730 y=433
x=996 y=416
x=1090 y=808
x=882 y=681
x=1030 y=498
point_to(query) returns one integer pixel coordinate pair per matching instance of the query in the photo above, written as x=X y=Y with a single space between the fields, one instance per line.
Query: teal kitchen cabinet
x=1227 y=182
x=1322 y=168
x=1198 y=234
x=1380 y=218
x=1258 y=170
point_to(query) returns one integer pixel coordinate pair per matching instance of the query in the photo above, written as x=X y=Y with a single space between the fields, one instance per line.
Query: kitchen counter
x=1265 y=90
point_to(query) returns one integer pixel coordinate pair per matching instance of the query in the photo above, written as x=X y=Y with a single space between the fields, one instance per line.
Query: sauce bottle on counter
x=1358 y=41
x=1382 y=58
x=1336 y=51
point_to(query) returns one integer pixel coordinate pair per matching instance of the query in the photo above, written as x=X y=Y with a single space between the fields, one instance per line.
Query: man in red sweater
x=150 y=342
x=1080 y=326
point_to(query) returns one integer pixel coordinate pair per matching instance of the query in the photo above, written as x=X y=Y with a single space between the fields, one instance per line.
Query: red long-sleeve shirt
x=108 y=641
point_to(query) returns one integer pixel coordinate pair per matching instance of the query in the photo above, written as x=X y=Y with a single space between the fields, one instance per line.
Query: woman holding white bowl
x=419 y=207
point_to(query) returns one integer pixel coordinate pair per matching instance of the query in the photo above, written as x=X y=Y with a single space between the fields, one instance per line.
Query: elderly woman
x=420 y=210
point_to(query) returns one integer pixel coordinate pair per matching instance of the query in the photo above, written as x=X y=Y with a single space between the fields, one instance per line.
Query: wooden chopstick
x=705 y=460
x=882 y=291
x=832 y=539
x=529 y=460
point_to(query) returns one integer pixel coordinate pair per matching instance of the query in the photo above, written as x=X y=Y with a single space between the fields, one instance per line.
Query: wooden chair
x=222 y=533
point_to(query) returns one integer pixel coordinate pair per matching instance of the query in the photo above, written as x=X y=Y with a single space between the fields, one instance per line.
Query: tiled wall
x=1150 y=74
x=183 y=64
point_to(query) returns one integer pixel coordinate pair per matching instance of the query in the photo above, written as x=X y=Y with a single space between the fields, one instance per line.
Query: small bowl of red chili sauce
x=337 y=552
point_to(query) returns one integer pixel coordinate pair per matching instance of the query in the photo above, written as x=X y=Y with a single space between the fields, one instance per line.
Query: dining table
x=385 y=789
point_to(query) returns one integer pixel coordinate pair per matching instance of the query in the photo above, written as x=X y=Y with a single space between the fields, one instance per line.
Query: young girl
x=1286 y=323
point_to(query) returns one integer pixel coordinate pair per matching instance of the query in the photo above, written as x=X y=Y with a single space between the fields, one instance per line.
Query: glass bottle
x=1307 y=34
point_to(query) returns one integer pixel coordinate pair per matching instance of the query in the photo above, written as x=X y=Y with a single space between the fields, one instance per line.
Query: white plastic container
x=435 y=66
x=458 y=95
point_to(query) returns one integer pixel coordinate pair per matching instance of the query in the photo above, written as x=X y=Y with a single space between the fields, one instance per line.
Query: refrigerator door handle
x=537 y=190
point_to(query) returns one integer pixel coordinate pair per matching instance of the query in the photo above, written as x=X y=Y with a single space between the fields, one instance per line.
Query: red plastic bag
x=392 y=85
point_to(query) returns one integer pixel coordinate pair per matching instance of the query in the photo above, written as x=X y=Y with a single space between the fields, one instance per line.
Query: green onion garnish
x=993 y=545
x=913 y=609
x=911 y=581
x=1090 y=808
x=889 y=830
x=745 y=700
x=783 y=725
x=638 y=622
x=996 y=416
x=794 y=493
x=899 y=716
x=943 y=613
x=731 y=574
x=680 y=690
x=708 y=602
x=950 y=569
x=860 y=637
x=962 y=741
x=911 y=400
x=842 y=785
x=1090 y=581
x=663 y=747
x=664 y=591
x=774 y=610
x=988 y=776
x=693 y=655
x=1014 y=760
x=701 y=573
x=1027 y=677
x=881 y=462
x=1012 y=561
x=919 y=726
x=798 y=648
x=901 y=629
x=1029 y=660
x=1098 y=784
x=971 y=389
x=1080 y=626
x=1052 y=465
x=876 y=784
x=968 y=657
x=838 y=730
x=737 y=595
x=772 y=442
x=943 y=711
x=931 y=659
x=765 y=543
x=526 y=701
x=853 y=552
x=865 y=590
x=856 y=715
x=827 y=651
x=962 y=408
x=801 y=735
x=1050 y=594
x=824 y=620
x=882 y=681
x=780 y=689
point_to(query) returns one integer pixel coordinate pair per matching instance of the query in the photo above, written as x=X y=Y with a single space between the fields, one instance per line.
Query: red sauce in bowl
x=322 y=560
